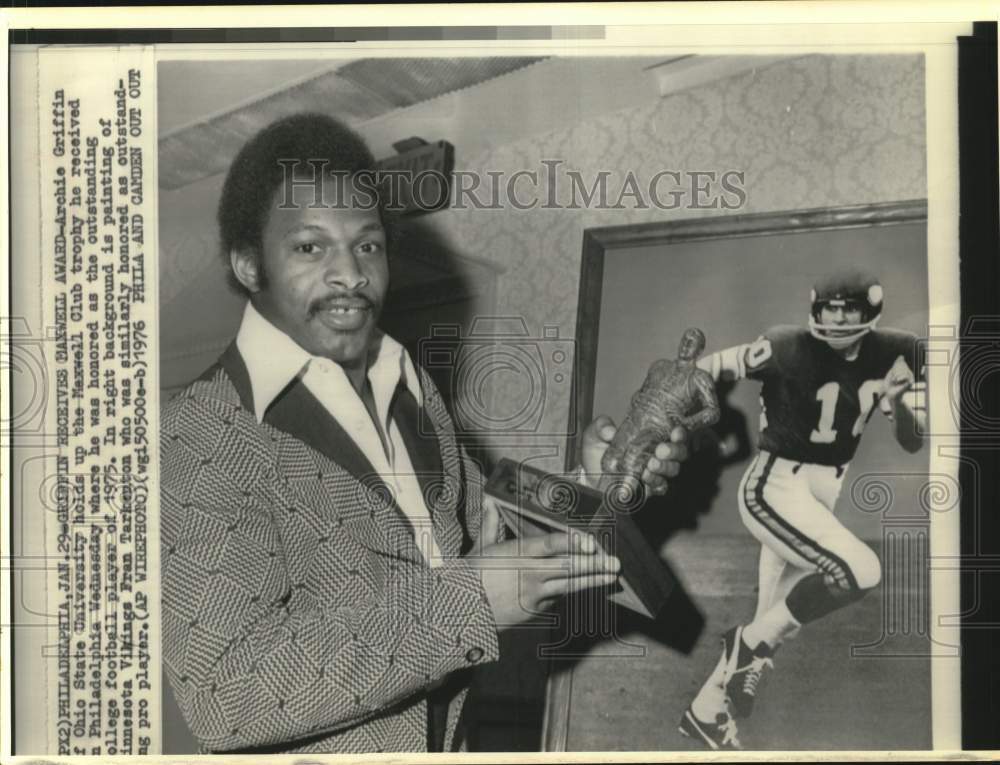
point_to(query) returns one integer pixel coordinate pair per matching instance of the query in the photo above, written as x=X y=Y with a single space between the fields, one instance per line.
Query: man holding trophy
x=303 y=611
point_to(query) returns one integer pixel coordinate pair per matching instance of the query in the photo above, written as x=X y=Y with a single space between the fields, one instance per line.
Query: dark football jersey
x=815 y=403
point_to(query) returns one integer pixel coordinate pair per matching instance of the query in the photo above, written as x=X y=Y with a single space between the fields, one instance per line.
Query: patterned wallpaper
x=811 y=132
x=814 y=131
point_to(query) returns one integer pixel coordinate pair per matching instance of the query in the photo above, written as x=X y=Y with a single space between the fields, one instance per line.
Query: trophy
x=675 y=392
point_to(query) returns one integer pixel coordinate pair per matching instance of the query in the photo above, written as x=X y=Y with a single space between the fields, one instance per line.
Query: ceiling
x=353 y=91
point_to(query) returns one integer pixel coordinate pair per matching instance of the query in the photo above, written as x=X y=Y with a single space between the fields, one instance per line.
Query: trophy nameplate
x=533 y=502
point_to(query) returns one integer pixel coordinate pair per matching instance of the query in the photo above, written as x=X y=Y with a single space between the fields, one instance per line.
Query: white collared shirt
x=273 y=360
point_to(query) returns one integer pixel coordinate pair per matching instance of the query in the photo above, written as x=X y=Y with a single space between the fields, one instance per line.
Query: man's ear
x=246 y=268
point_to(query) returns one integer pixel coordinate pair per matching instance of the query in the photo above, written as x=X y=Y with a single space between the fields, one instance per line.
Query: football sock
x=771 y=627
x=711 y=699
x=813 y=597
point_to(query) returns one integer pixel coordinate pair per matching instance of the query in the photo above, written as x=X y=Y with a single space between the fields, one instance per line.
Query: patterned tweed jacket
x=298 y=614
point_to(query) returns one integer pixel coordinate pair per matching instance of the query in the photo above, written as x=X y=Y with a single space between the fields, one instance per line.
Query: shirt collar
x=273 y=360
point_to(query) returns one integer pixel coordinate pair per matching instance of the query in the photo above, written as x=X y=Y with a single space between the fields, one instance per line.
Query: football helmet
x=847 y=290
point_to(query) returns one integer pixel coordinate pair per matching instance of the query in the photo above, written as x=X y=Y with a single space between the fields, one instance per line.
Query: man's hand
x=665 y=462
x=898 y=380
x=523 y=577
x=909 y=427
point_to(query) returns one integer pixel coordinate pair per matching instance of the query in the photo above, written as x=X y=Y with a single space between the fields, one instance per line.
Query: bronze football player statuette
x=675 y=392
x=532 y=502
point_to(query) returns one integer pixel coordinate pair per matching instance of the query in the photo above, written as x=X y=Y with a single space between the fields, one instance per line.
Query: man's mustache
x=344 y=300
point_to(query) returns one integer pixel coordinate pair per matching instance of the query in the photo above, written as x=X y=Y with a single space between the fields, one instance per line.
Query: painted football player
x=820 y=387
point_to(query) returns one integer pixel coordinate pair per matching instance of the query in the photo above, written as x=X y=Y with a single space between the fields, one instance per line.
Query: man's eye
x=307 y=248
x=369 y=248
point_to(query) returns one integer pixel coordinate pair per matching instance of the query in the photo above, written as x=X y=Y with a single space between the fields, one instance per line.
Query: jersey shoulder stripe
x=780 y=349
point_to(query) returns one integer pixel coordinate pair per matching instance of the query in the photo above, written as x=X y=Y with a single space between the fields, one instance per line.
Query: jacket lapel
x=425 y=445
x=448 y=497
x=297 y=412
x=370 y=515
x=429 y=443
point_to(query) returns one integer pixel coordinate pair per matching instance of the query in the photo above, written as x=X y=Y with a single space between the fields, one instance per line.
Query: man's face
x=841 y=313
x=326 y=274
x=691 y=346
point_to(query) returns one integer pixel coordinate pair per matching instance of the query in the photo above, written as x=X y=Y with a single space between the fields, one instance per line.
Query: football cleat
x=718 y=735
x=846 y=290
x=744 y=670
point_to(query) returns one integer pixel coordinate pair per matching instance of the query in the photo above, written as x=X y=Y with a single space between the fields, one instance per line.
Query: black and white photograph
x=596 y=209
x=595 y=381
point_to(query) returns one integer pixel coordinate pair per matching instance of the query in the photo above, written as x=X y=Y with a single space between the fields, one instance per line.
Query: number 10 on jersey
x=828 y=394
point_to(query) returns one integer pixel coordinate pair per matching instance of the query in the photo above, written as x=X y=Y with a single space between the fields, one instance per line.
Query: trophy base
x=533 y=502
